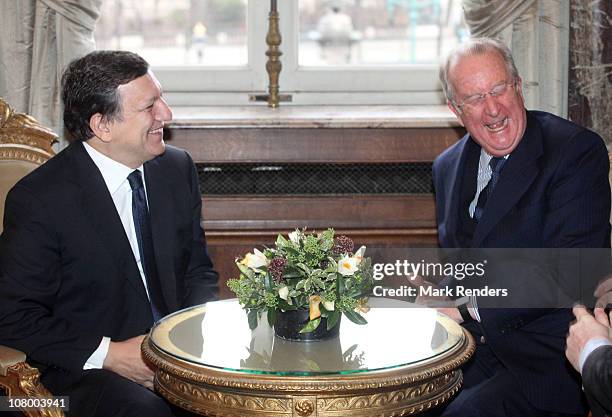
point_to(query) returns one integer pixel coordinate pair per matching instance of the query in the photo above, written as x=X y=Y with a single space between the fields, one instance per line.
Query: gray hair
x=476 y=46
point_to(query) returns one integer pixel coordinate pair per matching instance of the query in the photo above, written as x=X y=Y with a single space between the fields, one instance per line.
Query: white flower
x=283 y=292
x=347 y=265
x=294 y=237
x=329 y=305
x=359 y=254
x=255 y=260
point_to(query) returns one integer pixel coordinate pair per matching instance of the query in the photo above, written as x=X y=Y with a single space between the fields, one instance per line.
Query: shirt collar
x=485 y=157
x=113 y=172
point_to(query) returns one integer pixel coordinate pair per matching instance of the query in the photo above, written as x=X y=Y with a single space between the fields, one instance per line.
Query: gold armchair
x=24 y=145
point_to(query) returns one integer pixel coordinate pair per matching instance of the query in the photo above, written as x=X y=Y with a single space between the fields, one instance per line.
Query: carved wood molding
x=22 y=380
x=454 y=359
x=389 y=393
x=397 y=402
x=23 y=138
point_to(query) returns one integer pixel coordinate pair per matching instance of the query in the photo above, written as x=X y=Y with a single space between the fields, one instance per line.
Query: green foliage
x=332 y=319
x=313 y=276
x=311 y=325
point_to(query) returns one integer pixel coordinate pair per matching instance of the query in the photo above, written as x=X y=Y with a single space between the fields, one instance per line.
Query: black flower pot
x=289 y=323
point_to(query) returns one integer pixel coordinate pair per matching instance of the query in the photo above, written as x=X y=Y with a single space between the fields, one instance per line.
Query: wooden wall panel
x=314 y=145
x=236 y=224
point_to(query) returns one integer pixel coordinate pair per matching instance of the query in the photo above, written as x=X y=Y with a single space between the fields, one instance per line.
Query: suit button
x=483 y=340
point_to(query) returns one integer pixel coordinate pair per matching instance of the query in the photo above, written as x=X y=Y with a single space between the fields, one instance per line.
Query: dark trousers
x=101 y=393
x=489 y=390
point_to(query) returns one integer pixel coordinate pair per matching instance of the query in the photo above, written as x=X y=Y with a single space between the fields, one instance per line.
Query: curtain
x=537 y=32
x=489 y=17
x=38 y=39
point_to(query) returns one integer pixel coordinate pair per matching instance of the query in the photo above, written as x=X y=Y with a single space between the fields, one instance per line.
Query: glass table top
x=217 y=334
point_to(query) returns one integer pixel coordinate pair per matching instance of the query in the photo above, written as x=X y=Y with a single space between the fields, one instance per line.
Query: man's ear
x=519 y=87
x=455 y=110
x=101 y=127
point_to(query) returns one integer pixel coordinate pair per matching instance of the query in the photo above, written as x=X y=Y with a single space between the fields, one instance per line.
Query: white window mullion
x=258 y=11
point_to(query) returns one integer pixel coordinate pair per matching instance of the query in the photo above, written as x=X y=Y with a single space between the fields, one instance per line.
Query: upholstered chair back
x=24 y=145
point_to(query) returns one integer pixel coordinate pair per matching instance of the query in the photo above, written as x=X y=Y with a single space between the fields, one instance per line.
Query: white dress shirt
x=115 y=176
x=482 y=179
x=589 y=347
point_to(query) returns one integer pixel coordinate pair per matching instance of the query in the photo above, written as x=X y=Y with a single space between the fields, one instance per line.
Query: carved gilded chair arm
x=9 y=357
x=19 y=379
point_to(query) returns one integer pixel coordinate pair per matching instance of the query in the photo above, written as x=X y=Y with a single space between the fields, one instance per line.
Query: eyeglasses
x=478 y=100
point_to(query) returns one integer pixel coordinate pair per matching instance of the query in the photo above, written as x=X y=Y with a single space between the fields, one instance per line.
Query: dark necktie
x=142 y=224
x=496 y=164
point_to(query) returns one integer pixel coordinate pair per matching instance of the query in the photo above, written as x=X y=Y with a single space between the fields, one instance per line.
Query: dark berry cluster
x=276 y=267
x=342 y=245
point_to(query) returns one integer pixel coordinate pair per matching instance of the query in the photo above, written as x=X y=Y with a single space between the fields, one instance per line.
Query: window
x=376 y=32
x=177 y=33
x=334 y=51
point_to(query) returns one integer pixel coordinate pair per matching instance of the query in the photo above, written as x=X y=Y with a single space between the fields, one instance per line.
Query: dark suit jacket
x=553 y=193
x=68 y=276
x=597 y=381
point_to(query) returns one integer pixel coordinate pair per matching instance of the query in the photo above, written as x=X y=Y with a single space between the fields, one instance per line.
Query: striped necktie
x=496 y=164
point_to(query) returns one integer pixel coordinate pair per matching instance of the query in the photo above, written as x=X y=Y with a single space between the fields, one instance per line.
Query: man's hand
x=425 y=287
x=603 y=292
x=451 y=312
x=442 y=304
x=125 y=359
x=585 y=328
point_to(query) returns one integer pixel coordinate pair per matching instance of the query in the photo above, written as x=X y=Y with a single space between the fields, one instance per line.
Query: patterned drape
x=38 y=38
x=490 y=17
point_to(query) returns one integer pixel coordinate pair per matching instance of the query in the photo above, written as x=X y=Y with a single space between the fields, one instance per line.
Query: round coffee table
x=404 y=361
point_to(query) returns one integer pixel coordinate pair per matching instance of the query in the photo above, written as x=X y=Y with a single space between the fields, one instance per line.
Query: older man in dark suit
x=103 y=240
x=518 y=179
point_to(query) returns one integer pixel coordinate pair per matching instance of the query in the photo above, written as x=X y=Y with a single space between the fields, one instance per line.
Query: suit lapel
x=518 y=174
x=100 y=209
x=453 y=191
x=162 y=212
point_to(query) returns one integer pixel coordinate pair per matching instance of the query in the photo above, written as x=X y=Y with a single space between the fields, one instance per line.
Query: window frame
x=363 y=85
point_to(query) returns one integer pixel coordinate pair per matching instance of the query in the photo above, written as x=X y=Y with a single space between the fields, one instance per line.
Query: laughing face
x=497 y=121
x=137 y=135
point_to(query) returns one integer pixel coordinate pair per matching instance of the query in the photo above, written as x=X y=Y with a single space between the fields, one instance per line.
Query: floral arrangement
x=314 y=271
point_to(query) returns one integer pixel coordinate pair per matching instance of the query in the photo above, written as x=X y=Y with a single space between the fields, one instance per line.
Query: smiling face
x=137 y=135
x=498 y=123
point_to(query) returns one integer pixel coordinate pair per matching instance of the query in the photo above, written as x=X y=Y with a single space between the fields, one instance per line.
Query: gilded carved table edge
x=386 y=402
x=400 y=391
x=452 y=359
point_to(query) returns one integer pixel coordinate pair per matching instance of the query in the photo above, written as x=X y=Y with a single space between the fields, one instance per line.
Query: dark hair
x=89 y=86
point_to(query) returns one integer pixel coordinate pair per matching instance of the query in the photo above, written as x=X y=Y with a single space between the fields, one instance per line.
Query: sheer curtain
x=38 y=38
x=537 y=31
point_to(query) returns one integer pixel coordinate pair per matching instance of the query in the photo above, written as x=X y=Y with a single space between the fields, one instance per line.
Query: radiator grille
x=293 y=179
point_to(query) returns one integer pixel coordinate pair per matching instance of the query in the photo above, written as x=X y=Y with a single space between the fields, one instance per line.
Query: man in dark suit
x=589 y=350
x=103 y=240
x=517 y=179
